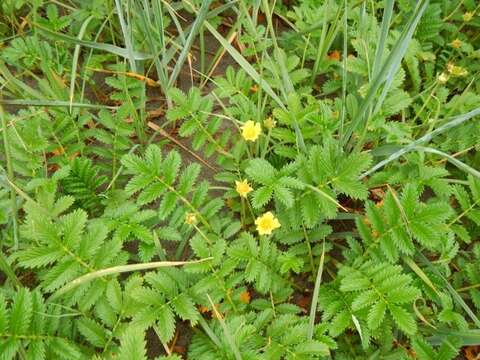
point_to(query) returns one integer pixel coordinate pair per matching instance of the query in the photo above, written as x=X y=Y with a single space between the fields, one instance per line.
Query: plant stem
x=316 y=291
x=117 y=270
x=10 y=174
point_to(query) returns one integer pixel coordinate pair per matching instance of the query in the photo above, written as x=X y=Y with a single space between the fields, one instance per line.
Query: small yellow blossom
x=334 y=55
x=362 y=90
x=456 y=43
x=456 y=70
x=245 y=297
x=443 y=78
x=467 y=16
x=269 y=123
x=251 y=130
x=267 y=223
x=243 y=188
x=190 y=218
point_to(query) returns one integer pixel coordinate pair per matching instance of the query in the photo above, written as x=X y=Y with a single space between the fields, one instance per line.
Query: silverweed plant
x=245 y=179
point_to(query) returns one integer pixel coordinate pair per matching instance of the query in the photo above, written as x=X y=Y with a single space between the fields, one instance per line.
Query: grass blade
x=6 y=268
x=76 y=54
x=146 y=23
x=10 y=174
x=451 y=159
x=288 y=87
x=452 y=291
x=467 y=337
x=118 y=270
x=245 y=65
x=387 y=16
x=387 y=70
x=54 y=103
x=126 y=36
x=325 y=195
x=421 y=274
x=201 y=16
x=453 y=122
x=15 y=85
x=228 y=336
x=116 y=50
x=250 y=70
x=316 y=291
x=344 y=69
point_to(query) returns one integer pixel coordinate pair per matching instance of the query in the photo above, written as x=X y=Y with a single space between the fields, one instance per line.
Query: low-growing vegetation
x=245 y=179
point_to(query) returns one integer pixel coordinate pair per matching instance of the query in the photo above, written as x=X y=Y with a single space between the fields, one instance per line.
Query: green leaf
x=39 y=257
x=170 y=166
x=151 y=193
x=261 y=171
x=167 y=205
x=36 y=350
x=185 y=308
x=366 y=298
x=64 y=349
x=132 y=345
x=403 y=319
x=261 y=196
x=21 y=312
x=92 y=331
x=376 y=315
x=114 y=295
x=423 y=349
x=339 y=323
x=166 y=323
x=188 y=178
x=232 y=229
x=283 y=195
x=310 y=210
x=396 y=102
x=3 y=315
x=312 y=348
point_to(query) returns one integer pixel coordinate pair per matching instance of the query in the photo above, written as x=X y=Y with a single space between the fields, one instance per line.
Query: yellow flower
x=456 y=43
x=467 y=16
x=456 y=70
x=362 y=90
x=443 y=78
x=190 y=218
x=243 y=188
x=267 y=223
x=269 y=123
x=251 y=130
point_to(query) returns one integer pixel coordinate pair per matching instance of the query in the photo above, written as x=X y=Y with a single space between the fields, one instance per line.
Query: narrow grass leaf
x=226 y=332
x=453 y=122
x=452 y=160
x=467 y=337
x=201 y=16
x=126 y=36
x=116 y=50
x=389 y=68
x=316 y=292
x=387 y=16
x=452 y=291
x=421 y=274
x=245 y=65
x=118 y=270
x=54 y=103
x=76 y=54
